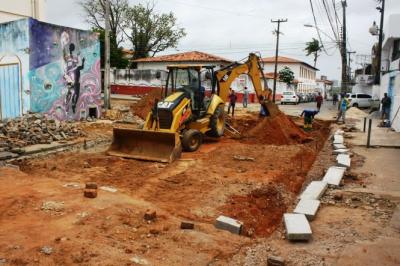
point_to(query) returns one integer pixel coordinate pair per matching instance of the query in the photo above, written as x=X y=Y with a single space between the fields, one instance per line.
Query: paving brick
x=314 y=190
x=150 y=215
x=187 y=225
x=334 y=175
x=90 y=193
x=308 y=207
x=341 y=151
x=229 y=224
x=91 y=185
x=338 y=139
x=339 y=132
x=297 y=226
x=343 y=160
x=339 y=146
x=275 y=261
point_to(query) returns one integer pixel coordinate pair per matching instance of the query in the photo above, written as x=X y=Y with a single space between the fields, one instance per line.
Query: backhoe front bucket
x=145 y=145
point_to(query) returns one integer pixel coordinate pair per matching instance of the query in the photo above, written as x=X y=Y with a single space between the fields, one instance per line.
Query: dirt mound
x=355 y=113
x=260 y=211
x=143 y=107
x=278 y=130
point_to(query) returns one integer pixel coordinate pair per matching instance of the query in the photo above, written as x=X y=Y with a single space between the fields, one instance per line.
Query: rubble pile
x=35 y=129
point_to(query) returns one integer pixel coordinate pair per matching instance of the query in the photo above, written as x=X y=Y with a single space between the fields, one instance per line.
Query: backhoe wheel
x=191 y=140
x=217 y=122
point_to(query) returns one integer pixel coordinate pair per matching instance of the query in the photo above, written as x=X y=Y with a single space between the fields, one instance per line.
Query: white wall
x=306 y=83
x=17 y=9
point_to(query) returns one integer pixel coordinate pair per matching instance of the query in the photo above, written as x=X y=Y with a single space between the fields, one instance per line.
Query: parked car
x=362 y=100
x=289 y=97
x=302 y=97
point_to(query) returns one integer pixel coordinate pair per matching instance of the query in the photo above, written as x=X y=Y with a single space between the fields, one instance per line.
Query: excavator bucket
x=145 y=145
x=271 y=108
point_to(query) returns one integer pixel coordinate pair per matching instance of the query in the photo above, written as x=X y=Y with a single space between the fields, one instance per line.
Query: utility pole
x=379 y=55
x=107 y=101
x=343 y=49
x=279 y=21
x=349 y=67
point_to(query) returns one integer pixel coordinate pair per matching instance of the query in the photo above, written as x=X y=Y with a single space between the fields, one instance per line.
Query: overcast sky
x=233 y=28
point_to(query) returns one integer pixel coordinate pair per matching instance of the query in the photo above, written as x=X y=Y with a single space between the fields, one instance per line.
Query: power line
x=329 y=18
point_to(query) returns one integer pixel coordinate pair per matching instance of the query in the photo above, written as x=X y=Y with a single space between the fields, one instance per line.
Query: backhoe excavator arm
x=225 y=77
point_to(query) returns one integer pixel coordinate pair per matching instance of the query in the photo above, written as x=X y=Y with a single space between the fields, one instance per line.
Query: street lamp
x=374 y=30
x=312 y=26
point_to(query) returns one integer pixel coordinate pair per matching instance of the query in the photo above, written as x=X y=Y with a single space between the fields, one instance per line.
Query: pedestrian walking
x=386 y=103
x=232 y=101
x=343 y=106
x=319 y=99
x=245 y=97
x=308 y=118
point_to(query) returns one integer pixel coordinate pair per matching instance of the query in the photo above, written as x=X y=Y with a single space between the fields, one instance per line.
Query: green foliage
x=286 y=75
x=116 y=55
x=313 y=48
x=150 y=32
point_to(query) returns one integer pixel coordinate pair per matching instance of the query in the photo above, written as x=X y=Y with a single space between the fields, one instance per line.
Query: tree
x=286 y=75
x=95 y=16
x=149 y=32
x=313 y=47
x=116 y=54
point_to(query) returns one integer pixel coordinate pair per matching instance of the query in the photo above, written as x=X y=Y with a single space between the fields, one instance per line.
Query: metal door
x=10 y=91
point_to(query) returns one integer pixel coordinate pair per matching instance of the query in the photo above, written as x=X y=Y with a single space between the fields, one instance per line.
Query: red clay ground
x=110 y=229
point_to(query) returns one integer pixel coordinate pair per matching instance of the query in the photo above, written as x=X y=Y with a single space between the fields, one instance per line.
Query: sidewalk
x=380 y=136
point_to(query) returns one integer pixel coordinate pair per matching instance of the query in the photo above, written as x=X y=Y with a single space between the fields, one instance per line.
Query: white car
x=361 y=100
x=289 y=97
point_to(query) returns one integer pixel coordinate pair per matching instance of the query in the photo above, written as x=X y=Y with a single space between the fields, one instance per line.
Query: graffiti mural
x=64 y=71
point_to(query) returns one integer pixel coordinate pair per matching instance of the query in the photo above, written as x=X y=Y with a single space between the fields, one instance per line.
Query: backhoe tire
x=191 y=140
x=217 y=122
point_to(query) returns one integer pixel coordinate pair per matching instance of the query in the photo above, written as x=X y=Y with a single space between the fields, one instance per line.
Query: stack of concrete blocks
x=297 y=223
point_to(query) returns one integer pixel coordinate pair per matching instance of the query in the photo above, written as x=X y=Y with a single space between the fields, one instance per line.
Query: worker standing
x=343 y=106
x=308 y=118
x=245 y=97
x=386 y=102
x=232 y=101
x=319 y=99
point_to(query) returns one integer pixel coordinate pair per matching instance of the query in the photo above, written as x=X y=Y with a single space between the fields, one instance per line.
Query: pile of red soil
x=260 y=211
x=143 y=107
x=277 y=130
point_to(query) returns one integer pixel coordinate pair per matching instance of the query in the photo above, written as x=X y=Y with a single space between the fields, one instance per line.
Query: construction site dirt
x=253 y=178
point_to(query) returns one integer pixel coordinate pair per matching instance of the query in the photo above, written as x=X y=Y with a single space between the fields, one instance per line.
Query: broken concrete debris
x=243 y=158
x=33 y=129
x=46 y=250
x=229 y=224
x=139 y=260
x=109 y=189
x=53 y=206
x=308 y=207
x=297 y=226
x=339 y=146
x=187 y=225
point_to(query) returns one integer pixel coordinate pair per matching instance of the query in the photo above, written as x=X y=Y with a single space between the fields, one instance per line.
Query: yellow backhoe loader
x=185 y=114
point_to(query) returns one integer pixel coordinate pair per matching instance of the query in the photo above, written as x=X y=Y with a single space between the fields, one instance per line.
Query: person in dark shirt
x=386 y=103
x=232 y=102
x=308 y=118
x=334 y=99
x=319 y=99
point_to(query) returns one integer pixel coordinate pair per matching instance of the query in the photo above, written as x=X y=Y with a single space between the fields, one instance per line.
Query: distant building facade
x=390 y=65
x=304 y=73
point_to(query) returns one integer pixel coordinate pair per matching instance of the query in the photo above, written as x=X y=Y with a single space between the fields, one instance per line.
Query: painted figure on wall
x=72 y=74
x=65 y=71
